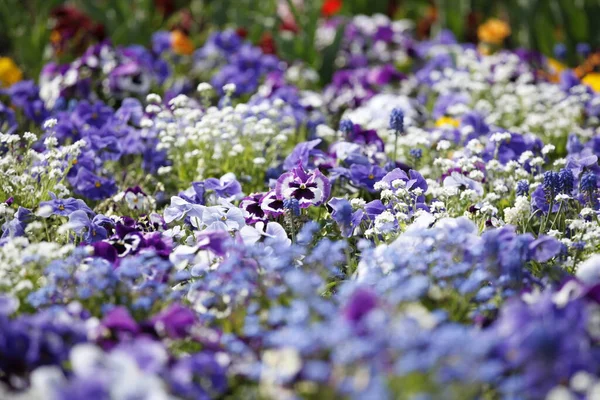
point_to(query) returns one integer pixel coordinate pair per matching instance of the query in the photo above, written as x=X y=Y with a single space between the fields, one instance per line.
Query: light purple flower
x=226 y=187
x=91 y=230
x=180 y=208
x=308 y=188
x=220 y=218
x=460 y=182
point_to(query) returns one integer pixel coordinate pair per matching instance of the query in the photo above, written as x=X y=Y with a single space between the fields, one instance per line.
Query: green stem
x=396 y=146
x=557 y=214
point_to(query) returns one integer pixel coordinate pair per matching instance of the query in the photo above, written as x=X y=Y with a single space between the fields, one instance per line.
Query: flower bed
x=219 y=223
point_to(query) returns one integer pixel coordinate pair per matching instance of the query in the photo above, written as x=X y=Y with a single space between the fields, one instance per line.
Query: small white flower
x=443 y=145
x=229 y=88
x=50 y=123
x=547 y=149
x=204 y=87
x=153 y=98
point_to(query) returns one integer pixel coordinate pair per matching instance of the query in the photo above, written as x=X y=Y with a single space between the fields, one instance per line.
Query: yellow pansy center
x=447 y=121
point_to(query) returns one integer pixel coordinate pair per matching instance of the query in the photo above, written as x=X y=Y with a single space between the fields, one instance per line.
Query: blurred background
x=35 y=32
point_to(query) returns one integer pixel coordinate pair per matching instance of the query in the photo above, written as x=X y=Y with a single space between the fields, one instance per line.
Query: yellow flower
x=9 y=72
x=493 y=31
x=181 y=43
x=592 y=80
x=556 y=66
x=447 y=121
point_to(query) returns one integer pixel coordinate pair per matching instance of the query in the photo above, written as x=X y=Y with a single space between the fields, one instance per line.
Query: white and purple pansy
x=250 y=205
x=271 y=205
x=310 y=189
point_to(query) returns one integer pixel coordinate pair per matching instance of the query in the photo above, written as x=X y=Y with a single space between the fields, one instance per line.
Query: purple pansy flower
x=301 y=153
x=365 y=176
x=271 y=205
x=544 y=248
x=95 y=115
x=181 y=208
x=226 y=187
x=93 y=186
x=119 y=320
x=223 y=218
x=308 y=188
x=461 y=182
x=252 y=209
x=62 y=207
x=175 y=321
x=374 y=208
x=360 y=304
x=91 y=230
x=343 y=214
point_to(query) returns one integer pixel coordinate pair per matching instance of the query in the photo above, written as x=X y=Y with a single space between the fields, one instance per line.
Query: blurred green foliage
x=536 y=24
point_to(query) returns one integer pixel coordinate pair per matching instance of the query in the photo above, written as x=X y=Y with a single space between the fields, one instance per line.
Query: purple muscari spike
x=346 y=126
x=292 y=205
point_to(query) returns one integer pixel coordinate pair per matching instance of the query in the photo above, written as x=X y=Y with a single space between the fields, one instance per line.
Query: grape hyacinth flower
x=566 y=180
x=310 y=189
x=589 y=184
x=397 y=125
x=522 y=188
x=346 y=126
x=292 y=205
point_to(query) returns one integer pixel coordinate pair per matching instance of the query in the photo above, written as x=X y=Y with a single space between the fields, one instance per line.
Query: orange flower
x=181 y=43
x=493 y=31
x=331 y=7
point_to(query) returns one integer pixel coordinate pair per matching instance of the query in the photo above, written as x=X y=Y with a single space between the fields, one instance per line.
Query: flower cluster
x=423 y=226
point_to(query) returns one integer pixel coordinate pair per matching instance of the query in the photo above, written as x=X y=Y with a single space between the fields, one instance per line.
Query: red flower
x=267 y=44
x=74 y=29
x=331 y=7
x=242 y=32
